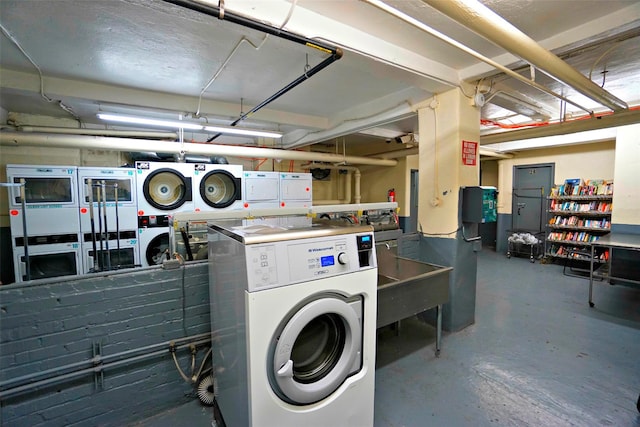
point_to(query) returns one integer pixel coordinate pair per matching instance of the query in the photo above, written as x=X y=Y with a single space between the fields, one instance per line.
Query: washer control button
x=343 y=258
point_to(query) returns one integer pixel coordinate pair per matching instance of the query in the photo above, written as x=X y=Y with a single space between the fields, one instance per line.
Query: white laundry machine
x=217 y=187
x=110 y=236
x=52 y=220
x=261 y=190
x=293 y=316
x=51 y=199
x=162 y=189
x=49 y=256
x=295 y=190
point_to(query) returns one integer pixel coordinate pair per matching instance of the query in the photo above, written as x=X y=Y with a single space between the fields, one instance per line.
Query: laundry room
x=356 y=213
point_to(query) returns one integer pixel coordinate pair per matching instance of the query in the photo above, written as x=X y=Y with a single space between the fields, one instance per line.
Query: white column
x=626 y=178
x=449 y=120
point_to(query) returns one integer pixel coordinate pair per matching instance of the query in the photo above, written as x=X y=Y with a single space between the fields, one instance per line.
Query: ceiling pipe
x=397 y=154
x=100 y=132
x=483 y=21
x=335 y=53
x=416 y=150
x=435 y=33
x=18 y=139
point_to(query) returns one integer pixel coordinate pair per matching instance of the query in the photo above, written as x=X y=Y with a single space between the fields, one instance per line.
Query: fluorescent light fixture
x=177 y=124
x=381 y=132
x=585 y=137
x=242 y=131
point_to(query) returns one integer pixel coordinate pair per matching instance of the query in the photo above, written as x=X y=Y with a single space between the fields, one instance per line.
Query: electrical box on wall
x=479 y=204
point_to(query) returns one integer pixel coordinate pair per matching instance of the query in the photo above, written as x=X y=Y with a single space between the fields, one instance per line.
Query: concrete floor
x=537 y=355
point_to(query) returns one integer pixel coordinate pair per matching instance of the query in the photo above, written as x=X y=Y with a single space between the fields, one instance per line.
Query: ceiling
x=158 y=59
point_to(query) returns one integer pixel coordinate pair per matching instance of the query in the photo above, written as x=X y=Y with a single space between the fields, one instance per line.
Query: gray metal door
x=531 y=186
x=412 y=221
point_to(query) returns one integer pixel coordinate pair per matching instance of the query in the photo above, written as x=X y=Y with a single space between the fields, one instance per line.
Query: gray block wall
x=57 y=322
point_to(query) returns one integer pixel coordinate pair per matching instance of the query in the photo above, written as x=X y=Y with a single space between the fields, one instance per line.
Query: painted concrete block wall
x=55 y=323
x=626 y=197
x=587 y=161
x=489 y=173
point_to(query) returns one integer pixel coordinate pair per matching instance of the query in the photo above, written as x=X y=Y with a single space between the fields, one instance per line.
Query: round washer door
x=157 y=249
x=166 y=189
x=219 y=189
x=318 y=348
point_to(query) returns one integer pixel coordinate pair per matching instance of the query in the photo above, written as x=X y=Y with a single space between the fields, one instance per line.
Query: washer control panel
x=287 y=262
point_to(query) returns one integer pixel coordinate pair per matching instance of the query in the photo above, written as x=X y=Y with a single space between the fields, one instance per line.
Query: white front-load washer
x=293 y=315
x=217 y=187
x=163 y=189
x=108 y=218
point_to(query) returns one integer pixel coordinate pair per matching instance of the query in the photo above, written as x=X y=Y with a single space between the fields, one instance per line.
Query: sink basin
x=383 y=280
x=407 y=287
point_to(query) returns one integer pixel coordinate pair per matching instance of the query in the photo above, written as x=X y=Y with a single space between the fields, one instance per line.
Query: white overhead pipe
x=483 y=21
x=421 y=26
x=347 y=189
x=100 y=132
x=396 y=154
x=130 y=144
x=415 y=150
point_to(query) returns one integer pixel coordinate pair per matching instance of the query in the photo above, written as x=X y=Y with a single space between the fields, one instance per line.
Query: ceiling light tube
x=177 y=124
x=242 y=131
x=150 y=122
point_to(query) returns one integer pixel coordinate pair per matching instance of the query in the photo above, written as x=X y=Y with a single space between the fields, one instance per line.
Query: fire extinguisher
x=391 y=195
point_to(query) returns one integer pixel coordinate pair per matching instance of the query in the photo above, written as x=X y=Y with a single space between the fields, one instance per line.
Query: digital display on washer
x=364 y=242
x=326 y=261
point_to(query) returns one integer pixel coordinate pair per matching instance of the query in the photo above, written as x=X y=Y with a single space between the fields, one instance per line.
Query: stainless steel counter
x=630 y=242
x=407 y=287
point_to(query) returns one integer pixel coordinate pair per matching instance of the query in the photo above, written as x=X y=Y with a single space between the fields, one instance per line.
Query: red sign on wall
x=469 y=153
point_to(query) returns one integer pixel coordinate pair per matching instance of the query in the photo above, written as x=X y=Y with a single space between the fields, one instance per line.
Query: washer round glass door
x=166 y=189
x=219 y=189
x=157 y=249
x=319 y=347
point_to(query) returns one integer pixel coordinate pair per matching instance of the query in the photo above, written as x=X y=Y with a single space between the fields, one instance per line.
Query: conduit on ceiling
x=101 y=132
x=142 y=145
x=435 y=33
x=334 y=52
x=483 y=21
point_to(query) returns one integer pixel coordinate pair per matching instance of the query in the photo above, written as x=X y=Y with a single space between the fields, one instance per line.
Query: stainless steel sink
x=407 y=287
x=383 y=280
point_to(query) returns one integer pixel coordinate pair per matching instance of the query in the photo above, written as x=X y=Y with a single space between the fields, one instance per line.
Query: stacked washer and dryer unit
x=108 y=226
x=294 y=322
x=168 y=188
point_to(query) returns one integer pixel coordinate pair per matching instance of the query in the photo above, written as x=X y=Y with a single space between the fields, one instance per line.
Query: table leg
x=438 y=328
x=591 y=276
